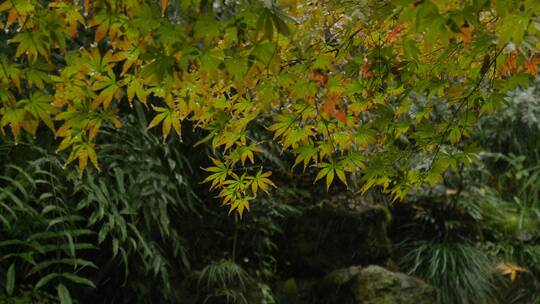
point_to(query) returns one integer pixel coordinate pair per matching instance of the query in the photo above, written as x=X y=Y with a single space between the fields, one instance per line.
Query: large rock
x=325 y=237
x=376 y=285
x=357 y=285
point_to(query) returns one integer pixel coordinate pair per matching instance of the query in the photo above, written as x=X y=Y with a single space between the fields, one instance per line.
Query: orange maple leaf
x=531 y=65
x=330 y=106
x=318 y=77
x=509 y=67
x=366 y=70
x=341 y=116
x=164 y=4
x=393 y=35
x=466 y=33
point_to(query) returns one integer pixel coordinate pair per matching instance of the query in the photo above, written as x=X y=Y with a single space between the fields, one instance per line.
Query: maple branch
x=464 y=100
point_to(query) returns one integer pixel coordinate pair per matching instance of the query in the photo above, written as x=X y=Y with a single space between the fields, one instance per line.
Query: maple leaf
x=13 y=117
x=531 y=65
x=509 y=67
x=10 y=72
x=283 y=125
x=330 y=170
x=366 y=70
x=32 y=44
x=164 y=4
x=40 y=107
x=169 y=118
x=510 y=269
x=109 y=87
x=135 y=88
x=240 y=205
x=71 y=14
x=38 y=75
x=223 y=75
x=261 y=181
x=327 y=169
x=330 y=106
x=129 y=53
x=466 y=32
x=83 y=151
x=394 y=34
x=341 y=116
x=305 y=154
x=18 y=10
x=107 y=23
x=319 y=77
x=220 y=171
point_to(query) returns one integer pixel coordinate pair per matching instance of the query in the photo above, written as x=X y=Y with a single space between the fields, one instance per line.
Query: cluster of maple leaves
x=354 y=90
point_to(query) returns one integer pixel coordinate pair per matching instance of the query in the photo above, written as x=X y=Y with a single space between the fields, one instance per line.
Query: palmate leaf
x=135 y=88
x=330 y=170
x=83 y=152
x=510 y=269
x=19 y=10
x=220 y=172
x=73 y=15
x=321 y=91
x=168 y=118
x=107 y=23
x=306 y=153
x=38 y=75
x=109 y=88
x=10 y=72
x=32 y=44
x=243 y=153
x=272 y=17
x=14 y=117
x=283 y=125
x=261 y=181
x=239 y=205
x=40 y=107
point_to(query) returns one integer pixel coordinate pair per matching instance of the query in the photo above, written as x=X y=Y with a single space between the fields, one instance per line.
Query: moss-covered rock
x=325 y=237
x=287 y=291
x=357 y=285
x=376 y=285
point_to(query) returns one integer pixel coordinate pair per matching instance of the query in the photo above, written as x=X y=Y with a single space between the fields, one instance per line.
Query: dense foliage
x=429 y=109
x=485 y=220
x=332 y=80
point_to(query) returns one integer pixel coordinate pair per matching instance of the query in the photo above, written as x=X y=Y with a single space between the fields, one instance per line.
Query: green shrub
x=462 y=273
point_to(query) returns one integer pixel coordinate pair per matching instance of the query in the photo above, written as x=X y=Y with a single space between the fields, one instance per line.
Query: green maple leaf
x=39 y=105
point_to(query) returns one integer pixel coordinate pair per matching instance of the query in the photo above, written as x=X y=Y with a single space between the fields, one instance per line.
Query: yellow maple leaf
x=510 y=269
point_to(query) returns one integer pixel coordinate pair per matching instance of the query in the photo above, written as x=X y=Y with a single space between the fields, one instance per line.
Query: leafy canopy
x=353 y=89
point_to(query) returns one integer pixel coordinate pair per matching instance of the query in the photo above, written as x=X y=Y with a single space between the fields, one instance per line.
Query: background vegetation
x=427 y=111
